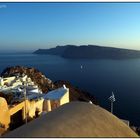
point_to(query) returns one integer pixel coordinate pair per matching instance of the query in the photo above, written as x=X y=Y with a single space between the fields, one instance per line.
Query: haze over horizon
x=30 y=26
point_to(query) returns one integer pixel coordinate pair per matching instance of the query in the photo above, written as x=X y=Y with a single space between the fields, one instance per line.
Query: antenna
x=112 y=100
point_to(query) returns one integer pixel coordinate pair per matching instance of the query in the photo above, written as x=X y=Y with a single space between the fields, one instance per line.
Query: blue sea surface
x=99 y=77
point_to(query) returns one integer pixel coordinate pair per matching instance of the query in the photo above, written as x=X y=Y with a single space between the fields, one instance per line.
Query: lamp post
x=25 y=98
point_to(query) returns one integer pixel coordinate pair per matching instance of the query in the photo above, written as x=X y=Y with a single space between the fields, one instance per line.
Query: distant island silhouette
x=90 y=52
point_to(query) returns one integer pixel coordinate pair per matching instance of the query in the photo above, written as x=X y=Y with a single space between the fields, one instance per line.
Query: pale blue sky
x=29 y=26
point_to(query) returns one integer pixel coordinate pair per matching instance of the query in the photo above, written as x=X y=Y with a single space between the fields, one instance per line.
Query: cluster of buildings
x=28 y=101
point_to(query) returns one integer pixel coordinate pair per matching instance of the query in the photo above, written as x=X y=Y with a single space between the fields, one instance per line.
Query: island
x=90 y=52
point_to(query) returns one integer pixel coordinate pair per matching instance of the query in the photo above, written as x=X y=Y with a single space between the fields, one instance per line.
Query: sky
x=29 y=26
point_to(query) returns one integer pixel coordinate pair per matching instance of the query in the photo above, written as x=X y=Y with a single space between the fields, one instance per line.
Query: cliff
x=58 y=50
x=90 y=52
x=45 y=84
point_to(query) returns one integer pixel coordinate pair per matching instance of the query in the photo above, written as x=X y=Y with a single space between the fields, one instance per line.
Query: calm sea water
x=99 y=77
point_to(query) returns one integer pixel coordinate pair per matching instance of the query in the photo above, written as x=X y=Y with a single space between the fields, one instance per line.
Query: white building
x=57 y=97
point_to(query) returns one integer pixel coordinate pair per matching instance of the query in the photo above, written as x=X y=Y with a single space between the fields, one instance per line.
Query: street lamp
x=25 y=97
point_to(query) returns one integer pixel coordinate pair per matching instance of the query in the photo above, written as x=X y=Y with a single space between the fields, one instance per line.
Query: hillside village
x=22 y=100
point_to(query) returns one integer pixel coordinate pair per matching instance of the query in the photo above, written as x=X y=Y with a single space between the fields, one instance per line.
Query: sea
x=99 y=77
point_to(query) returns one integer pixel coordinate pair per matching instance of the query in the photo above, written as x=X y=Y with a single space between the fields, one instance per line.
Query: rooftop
x=56 y=94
